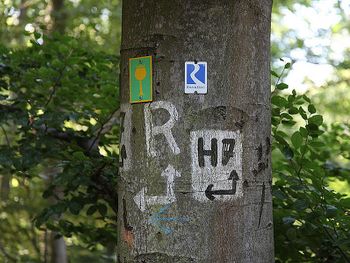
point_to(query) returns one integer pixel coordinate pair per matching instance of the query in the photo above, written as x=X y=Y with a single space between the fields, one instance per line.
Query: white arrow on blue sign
x=196 y=80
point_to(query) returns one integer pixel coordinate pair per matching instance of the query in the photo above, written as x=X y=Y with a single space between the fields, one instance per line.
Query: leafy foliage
x=58 y=112
x=312 y=221
x=95 y=22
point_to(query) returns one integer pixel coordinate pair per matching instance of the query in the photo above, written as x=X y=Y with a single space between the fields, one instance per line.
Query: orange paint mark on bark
x=128 y=237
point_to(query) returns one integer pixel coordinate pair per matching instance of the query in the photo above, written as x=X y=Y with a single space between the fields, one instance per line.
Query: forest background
x=59 y=117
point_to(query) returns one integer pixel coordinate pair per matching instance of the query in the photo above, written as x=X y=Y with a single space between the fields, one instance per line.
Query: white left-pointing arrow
x=142 y=200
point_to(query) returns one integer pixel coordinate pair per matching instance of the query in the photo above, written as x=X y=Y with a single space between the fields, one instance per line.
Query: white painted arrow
x=142 y=200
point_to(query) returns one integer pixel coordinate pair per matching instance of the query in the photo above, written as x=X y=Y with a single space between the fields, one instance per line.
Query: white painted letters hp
x=216 y=165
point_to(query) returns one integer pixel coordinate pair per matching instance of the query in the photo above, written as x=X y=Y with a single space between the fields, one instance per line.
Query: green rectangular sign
x=140 y=72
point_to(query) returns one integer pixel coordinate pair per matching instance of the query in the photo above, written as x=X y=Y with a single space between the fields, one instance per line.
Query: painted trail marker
x=216 y=165
x=165 y=129
x=161 y=217
x=196 y=77
x=143 y=200
x=140 y=78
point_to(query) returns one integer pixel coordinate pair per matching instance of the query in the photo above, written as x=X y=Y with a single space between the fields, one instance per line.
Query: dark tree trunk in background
x=5 y=187
x=58 y=248
x=58 y=16
x=195 y=176
x=23 y=11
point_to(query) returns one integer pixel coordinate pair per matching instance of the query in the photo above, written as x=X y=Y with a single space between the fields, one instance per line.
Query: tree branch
x=105 y=127
x=104 y=187
x=6 y=137
x=6 y=254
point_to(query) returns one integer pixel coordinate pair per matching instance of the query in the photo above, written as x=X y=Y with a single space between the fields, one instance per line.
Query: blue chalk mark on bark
x=159 y=217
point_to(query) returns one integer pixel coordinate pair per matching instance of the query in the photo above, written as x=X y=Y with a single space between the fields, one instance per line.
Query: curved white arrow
x=142 y=200
x=194 y=78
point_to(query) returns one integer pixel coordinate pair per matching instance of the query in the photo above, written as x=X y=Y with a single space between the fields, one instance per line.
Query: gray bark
x=57 y=245
x=233 y=37
x=59 y=251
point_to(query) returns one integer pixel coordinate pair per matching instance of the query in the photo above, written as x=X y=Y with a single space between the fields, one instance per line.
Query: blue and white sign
x=196 y=77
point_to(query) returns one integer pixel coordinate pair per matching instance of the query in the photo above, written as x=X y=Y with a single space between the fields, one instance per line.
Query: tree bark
x=58 y=16
x=58 y=248
x=195 y=173
x=5 y=187
x=23 y=11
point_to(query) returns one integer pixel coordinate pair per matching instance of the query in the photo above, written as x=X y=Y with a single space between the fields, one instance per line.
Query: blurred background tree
x=95 y=23
x=59 y=138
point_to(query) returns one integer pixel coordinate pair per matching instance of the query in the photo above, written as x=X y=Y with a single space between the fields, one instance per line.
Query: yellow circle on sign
x=140 y=72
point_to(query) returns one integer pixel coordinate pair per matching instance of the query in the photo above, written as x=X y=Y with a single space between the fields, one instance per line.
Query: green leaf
x=288 y=153
x=273 y=73
x=303 y=149
x=37 y=35
x=302 y=113
x=311 y=127
x=293 y=110
x=297 y=139
x=102 y=209
x=317 y=144
x=279 y=101
x=79 y=156
x=288 y=122
x=75 y=207
x=303 y=132
x=280 y=139
x=276 y=112
x=316 y=119
x=275 y=121
x=291 y=233
x=287 y=65
x=286 y=116
x=301 y=204
x=311 y=108
x=92 y=209
x=306 y=98
x=59 y=208
x=331 y=211
x=282 y=86
x=291 y=99
x=279 y=194
x=47 y=193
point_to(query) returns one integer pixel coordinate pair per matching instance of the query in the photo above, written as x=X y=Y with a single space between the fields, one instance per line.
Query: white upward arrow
x=142 y=200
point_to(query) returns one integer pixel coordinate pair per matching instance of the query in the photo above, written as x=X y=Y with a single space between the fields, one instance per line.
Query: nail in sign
x=140 y=73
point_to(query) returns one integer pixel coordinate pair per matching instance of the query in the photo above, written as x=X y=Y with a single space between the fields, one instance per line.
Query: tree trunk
x=195 y=175
x=58 y=248
x=5 y=187
x=23 y=12
x=58 y=16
